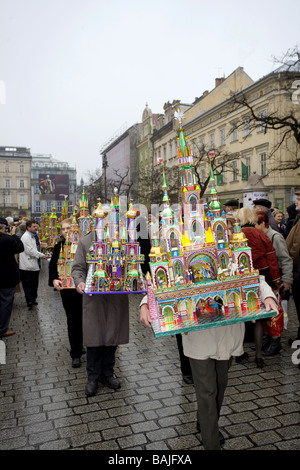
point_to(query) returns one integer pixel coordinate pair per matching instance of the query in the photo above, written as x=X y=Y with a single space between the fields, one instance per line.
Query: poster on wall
x=54 y=185
x=248 y=198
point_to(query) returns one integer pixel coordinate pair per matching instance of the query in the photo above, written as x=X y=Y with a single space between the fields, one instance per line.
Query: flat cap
x=263 y=202
x=232 y=203
x=3 y=221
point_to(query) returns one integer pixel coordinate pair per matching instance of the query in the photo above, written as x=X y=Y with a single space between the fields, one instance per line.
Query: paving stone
x=44 y=407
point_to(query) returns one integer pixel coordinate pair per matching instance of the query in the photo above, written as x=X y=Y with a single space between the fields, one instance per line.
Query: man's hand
x=80 y=288
x=145 y=315
x=57 y=284
x=286 y=285
x=270 y=304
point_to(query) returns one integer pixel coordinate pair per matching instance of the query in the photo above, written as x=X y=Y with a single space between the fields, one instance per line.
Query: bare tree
x=286 y=122
x=221 y=162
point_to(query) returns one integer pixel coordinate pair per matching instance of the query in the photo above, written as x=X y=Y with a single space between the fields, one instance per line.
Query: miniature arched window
x=178 y=269
x=220 y=232
x=183 y=307
x=190 y=178
x=244 y=260
x=131 y=252
x=168 y=314
x=161 y=277
x=100 y=250
x=76 y=238
x=193 y=203
x=223 y=261
x=196 y=229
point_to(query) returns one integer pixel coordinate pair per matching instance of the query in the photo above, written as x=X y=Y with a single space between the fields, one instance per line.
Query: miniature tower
x=189 y=188
x=64 y=210
x=84 y=219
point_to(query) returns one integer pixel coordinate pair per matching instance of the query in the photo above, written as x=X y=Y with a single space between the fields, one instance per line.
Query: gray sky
x=77 y=71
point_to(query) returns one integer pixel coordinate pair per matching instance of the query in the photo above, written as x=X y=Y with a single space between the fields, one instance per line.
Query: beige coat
x=105 y=317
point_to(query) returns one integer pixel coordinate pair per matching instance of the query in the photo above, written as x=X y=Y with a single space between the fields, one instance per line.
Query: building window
x=7 y=198
x=234 y=132
x=22 y=198
x=58 y=204
x=247 y=127
x=211 y=141
x=37 y=206
x=49 y=206
x=6 y=168
x=262 y=125
x=234 y=171
x=22 y=184
x=21 y=168
x=36 y=189
x=222 y=136
x=7 y=183
x=263 y=163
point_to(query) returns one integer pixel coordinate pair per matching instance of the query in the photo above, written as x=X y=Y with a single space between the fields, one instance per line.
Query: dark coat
x=53 y=273
x=105 y=316
x=10 y=245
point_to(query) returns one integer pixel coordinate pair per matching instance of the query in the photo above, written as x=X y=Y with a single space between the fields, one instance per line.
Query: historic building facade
x=52 y=182
x=216 y=123
x=15 y=167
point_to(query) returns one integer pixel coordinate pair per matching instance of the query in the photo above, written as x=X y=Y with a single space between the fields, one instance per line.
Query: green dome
x=215 y=206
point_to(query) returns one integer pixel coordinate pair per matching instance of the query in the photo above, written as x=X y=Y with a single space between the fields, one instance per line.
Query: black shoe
x=76 y=362
x=273 y=348
x=83 y=351
x=91 y=388
x=29 y=306
x=259 y=362
x=111 y=382
x=35 y=303
x=222 y=438
x=188 y=379
x=241 y=358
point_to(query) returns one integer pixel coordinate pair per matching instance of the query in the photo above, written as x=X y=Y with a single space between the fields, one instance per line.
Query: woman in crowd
x=273 y=331
x=264 y=260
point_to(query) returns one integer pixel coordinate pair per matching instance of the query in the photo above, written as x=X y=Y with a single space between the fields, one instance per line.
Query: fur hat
x=232 y=203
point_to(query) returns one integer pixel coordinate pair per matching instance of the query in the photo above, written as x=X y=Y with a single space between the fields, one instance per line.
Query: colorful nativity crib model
x=199 y=278
x=114 y=257
x=79 y=227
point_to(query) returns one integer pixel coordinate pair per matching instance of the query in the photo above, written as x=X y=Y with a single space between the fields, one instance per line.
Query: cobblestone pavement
x=43 y=404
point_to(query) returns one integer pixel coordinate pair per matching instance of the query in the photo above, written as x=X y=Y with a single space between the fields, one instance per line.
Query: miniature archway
x=252 y=300
x=233 y=300
x=220 y=231
x=168 y=314
x=223 y=261
x=161 y=276
x=185 y=308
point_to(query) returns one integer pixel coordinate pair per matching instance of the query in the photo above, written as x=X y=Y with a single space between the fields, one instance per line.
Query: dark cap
x=232 y=203
x=3 y=221
x=263 y=202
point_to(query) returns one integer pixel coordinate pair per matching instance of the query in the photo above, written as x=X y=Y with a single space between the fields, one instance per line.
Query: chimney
x=205 y=93
x=218 y=81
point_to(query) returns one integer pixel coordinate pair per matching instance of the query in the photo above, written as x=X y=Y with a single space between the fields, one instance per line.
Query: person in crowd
x=105 y=319
x=264 y=205
x=231 y=206
x=10 y=245
x=71 y=299
x=145 y=245
x=210 y=353
x=293 y=245
x=30 y=264
x=292 y=214
x=272 y=335
x=265 y=261
x=278 y=216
